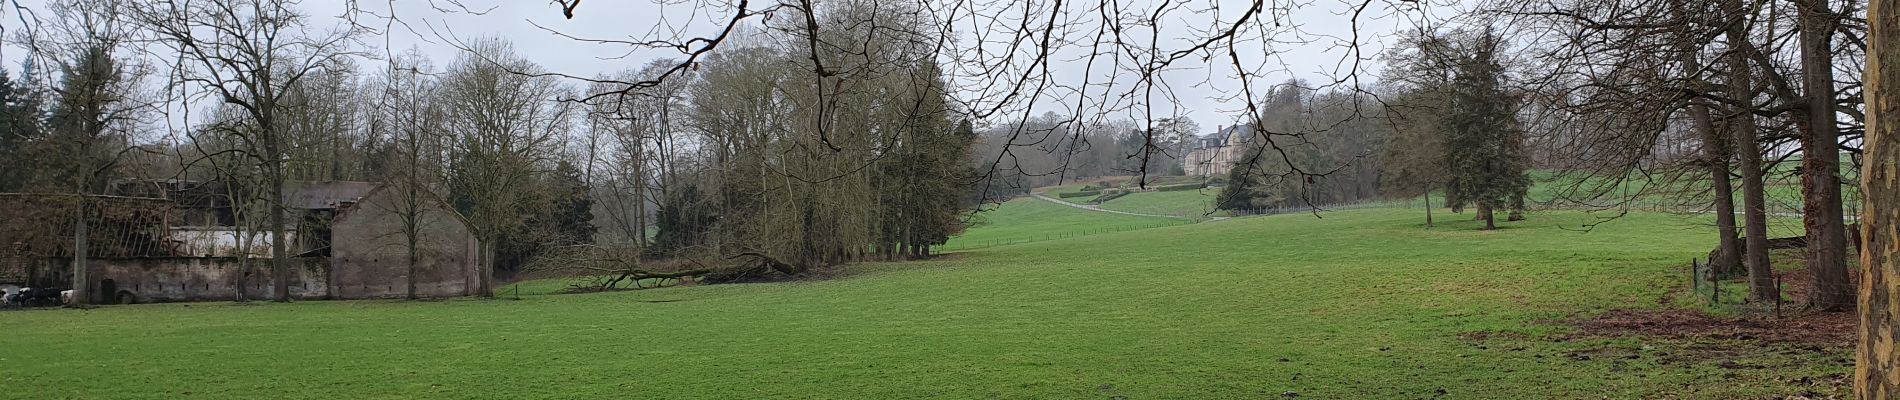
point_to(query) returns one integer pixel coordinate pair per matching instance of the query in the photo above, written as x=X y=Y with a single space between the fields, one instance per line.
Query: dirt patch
x=1805 y=355
x=1809 y=328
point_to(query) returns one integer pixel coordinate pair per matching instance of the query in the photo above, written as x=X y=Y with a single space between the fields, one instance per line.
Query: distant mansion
x=1216 y=153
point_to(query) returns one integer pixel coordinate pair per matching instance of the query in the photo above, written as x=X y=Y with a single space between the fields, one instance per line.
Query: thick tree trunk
x=1488 y=215
x=1428 y=209
x=1877 y=364
x=485 y=287
x=81 y=284
x=1821 y=164
x=1761 y=279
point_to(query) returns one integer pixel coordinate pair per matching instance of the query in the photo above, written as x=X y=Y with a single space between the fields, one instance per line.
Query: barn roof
x=311 y=195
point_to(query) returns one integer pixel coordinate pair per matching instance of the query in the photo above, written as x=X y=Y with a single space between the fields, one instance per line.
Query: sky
x=1307 y=42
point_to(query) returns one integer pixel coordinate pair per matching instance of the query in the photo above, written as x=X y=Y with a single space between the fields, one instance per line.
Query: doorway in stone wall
x=107 y=293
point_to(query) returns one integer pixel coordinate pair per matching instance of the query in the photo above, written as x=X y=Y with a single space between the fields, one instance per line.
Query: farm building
x=172 y=240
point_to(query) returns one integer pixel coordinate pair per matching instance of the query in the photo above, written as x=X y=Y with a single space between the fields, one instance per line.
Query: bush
x=1177 y=188
x=1111 y=195
x=1085 y=193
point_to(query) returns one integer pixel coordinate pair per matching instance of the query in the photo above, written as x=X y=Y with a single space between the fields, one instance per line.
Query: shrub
x=1111 y=195
x=1177 y=188
x=1085 y=193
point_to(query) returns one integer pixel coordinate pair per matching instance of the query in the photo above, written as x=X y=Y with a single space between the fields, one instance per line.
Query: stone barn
x=369 y=255
x=153 y=241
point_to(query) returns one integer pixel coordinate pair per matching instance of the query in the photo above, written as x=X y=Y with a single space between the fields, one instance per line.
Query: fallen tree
x=610 y=269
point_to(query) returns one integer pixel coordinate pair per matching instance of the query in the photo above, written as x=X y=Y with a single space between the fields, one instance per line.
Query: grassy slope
x=1360 y=304
x=1029 y=219
x=1185 y=203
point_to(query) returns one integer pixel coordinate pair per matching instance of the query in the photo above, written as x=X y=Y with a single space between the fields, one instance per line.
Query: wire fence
x=1416 y=202
x=1731 y=292
x=1708 y=287
x=1185 y=220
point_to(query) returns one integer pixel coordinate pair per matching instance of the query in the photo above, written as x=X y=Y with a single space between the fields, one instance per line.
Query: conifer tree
x=1484 y=140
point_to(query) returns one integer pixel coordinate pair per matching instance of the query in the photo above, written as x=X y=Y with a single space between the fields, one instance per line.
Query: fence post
x=1715 y=291
x=1695 y=276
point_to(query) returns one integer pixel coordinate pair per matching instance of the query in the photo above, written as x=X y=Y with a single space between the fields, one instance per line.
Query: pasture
x=1357 y=304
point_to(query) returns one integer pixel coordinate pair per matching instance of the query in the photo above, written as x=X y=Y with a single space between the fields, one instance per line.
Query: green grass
x=1029 y=219
x=1358 y=305
x=1186 y=203
x=1782 y=190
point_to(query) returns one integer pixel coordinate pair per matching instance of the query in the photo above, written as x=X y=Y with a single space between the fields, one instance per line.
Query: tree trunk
x=243 y=292
x=1428 y=209
x=1727 y=261
x=280 y=261
x=639 y=193
x=1761 y=280
x=1715 y=152
x=485 y=287
x=1821 y=164
x=411 y=294
x=1488 y=215
x=81 y=285
x=1877 y=364
x=1517 y=208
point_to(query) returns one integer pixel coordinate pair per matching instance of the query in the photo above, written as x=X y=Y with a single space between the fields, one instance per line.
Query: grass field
x=1029 y=219
x=1357 y=305
x=1185 y=203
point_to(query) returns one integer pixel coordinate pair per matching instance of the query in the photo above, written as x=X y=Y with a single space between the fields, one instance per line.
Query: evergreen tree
x=82 y=122
x=1484 y=157
x=682 y=221
x=570 y=208
x=1243 y=191
x=21 y=119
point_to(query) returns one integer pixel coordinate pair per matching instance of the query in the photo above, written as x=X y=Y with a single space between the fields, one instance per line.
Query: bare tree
x=414 y=123
x=249 y=54
x=505 y=126
x=1821 y=166
x=96 y=107
x=1742 y=124
x=1004 y=75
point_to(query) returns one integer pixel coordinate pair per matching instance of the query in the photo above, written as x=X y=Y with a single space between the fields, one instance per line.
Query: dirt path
x=1100 y=209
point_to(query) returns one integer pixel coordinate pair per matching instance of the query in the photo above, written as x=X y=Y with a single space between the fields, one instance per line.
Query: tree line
x=736 y=163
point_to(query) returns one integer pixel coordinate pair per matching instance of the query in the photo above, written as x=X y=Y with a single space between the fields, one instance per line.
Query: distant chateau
x=1215 y=154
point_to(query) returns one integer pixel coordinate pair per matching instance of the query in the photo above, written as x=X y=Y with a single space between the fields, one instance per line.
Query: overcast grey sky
x=1309 y=42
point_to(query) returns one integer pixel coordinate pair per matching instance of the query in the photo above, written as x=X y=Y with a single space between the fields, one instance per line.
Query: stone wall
x=371 y=253
x=368 y=258
x=197 y=279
